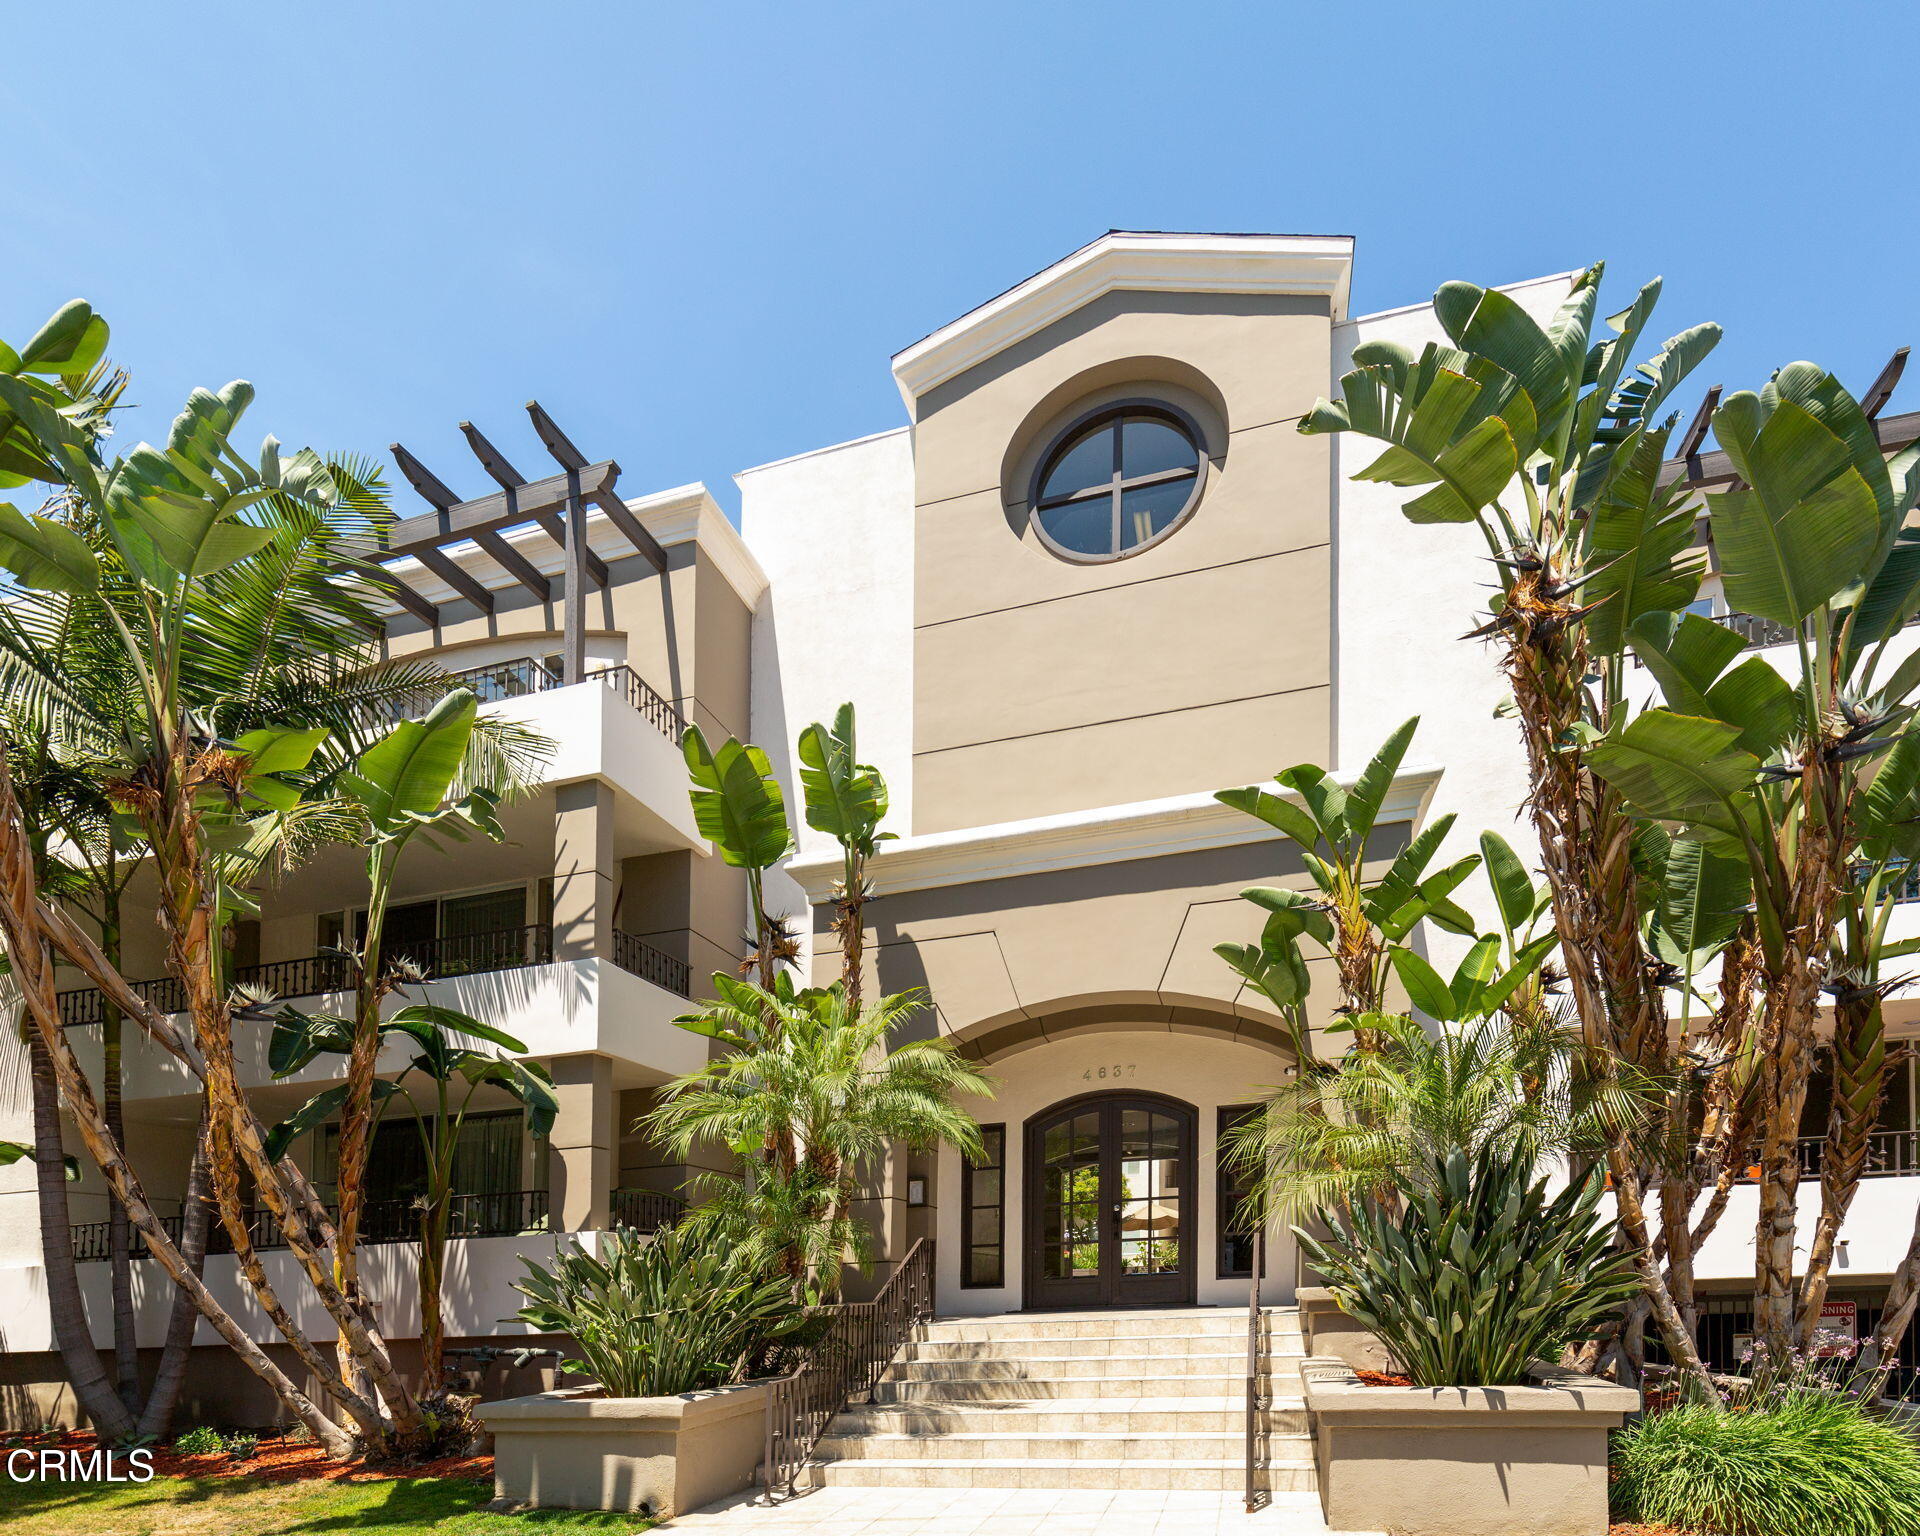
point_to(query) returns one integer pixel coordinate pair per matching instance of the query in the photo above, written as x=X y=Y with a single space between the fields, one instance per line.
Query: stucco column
x=585 y=1143
x=586 y=876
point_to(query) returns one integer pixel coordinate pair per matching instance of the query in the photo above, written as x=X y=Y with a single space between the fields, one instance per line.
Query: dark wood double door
x=1110 y=1215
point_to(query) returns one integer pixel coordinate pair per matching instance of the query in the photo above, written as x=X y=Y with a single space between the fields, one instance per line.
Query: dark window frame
x=1227 y=1196
x=1114 y=412
x=988 y=1135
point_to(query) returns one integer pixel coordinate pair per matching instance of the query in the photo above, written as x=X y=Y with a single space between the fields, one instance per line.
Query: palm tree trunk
x=66 y=1307
x=1860 y=1072
x=1586 y=844
x=1903 y=1299
x=1787 y=1045
x=25 y=931
x=196 y=1213
x=126 y=1347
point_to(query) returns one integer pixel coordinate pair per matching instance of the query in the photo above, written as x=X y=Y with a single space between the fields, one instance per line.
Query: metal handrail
x=1256 y=1399
x=861 y=1341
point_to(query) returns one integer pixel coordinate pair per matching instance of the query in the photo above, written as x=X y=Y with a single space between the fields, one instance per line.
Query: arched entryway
x=1110 y=1202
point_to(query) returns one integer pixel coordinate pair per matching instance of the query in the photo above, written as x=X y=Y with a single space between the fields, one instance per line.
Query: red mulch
x=1635 y=1529
x=1382 y=1379
x=283 y=1461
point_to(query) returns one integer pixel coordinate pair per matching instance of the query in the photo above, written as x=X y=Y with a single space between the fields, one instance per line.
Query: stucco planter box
x=1465 y=1461
x=666 y=1455
x=1330 y=1332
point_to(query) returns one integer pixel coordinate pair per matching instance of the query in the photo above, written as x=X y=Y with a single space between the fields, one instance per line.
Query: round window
x=1118 y=482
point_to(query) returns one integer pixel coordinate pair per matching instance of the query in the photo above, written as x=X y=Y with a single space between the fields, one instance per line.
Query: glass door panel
x=1107 y=1217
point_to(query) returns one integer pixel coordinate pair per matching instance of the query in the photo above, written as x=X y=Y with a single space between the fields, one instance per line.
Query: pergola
x=557 y=505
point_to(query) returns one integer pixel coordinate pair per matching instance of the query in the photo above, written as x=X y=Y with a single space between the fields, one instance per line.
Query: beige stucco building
x=1096 y=576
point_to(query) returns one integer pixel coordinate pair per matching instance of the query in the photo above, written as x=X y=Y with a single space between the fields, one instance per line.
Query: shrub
x=1473 y=1273
x=200 y=1441
x=675 y=1312
x=240 y=1446
x=1807 y=1462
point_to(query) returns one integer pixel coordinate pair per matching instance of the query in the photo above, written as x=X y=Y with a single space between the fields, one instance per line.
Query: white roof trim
x=1147 y=829
x=672 y=516
x=1307 y=264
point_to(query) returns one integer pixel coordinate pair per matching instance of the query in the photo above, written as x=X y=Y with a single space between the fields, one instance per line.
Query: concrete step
x=1215 y=1345
x=1079 y=1445
x=1230 y=1363
x=1171 y=1322
x=1164 y=1473
x=957 y=1391
x=1069 y=1415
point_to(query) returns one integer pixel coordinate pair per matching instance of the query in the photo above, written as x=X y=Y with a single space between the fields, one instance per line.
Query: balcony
x=382 y=1221
x=398 y=1221
x=528 y=675
x=1890 y=1155
x=441 y=959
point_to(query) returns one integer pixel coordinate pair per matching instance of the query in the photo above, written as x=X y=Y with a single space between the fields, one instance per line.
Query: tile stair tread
x=1160 y=1463
x=1087 y=1405
x=1224 y=1437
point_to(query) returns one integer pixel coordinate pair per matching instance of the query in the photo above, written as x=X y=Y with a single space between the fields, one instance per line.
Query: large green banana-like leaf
x=407 y=774
x=1401 y=882
x=527 y=1081
x=1456 y=423
x=737 y=802
x=1805 y=523
x=1608 y=419
x=1702 y=895
x=1513 y=891
x=1687 y=659
x=1683 y=769
x=1277 y=811
x=44 y=555
x=1424 y=986
x=298 y=1038
x=1294 y=912
x=845 y=798
x=1326 y=801
x=1488 y=323
x=1891 y=596
x=18 y=1151
x=317 y=1111
x=1637 y=535
x=1890 y=809
x=1280 y=975
x=1429 y=900
x=72 y=342
x=1370 y=790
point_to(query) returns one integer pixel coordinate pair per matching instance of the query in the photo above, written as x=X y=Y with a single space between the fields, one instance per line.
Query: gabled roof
x=1137 y=261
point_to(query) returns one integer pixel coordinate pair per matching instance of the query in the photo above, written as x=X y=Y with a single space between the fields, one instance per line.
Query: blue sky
x=697 y=232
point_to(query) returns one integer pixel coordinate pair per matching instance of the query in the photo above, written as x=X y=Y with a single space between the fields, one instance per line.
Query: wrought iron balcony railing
x=646 y=1210
x=526 y=675
x=382 y=1221
x=464 y=954
x=641 y=959
x=1890 y=1155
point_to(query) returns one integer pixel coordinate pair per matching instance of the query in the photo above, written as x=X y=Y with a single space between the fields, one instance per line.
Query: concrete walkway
x=1007 y=1512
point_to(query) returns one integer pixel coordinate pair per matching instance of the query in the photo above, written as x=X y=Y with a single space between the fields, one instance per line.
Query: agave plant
x=1482 y=1273
x=656 y=1315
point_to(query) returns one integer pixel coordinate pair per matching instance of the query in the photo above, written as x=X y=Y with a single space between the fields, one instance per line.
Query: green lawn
x=185 y=1506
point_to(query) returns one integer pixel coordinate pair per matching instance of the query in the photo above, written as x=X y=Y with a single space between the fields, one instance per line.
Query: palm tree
x=230 y=593
x=847 y=800
x=1350 y=1130
x=811 y=1070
